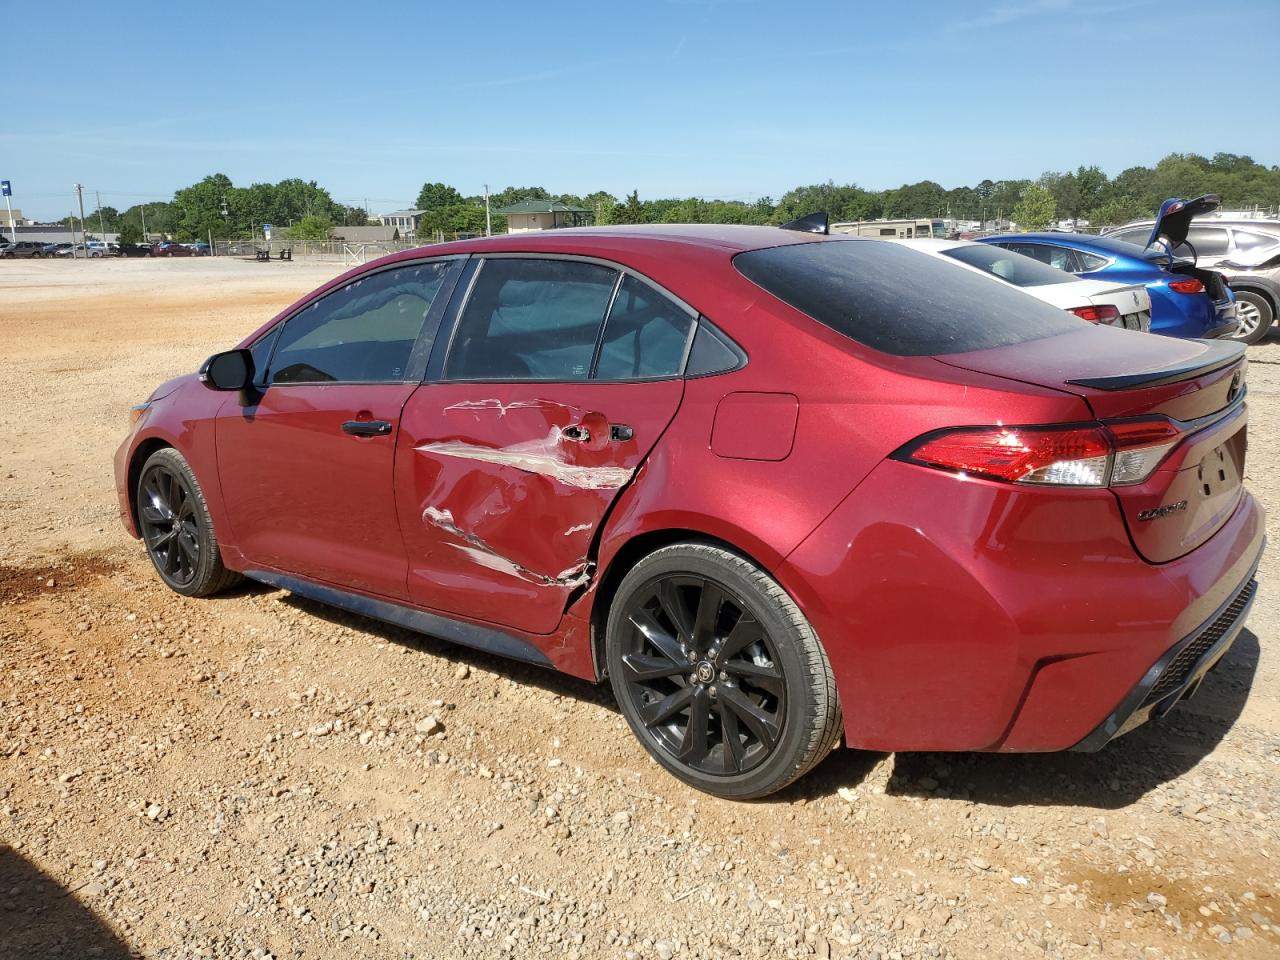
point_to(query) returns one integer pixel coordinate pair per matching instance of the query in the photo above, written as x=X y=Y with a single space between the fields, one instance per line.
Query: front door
x=506 y=468
x=306 y=471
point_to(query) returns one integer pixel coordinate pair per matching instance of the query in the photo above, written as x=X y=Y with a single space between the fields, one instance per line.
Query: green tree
x=509 y=195
x=1035 y=210
x=311 y=227
x=632 y=210
x=434 y=196
x=130 y=232
x=1116 y=212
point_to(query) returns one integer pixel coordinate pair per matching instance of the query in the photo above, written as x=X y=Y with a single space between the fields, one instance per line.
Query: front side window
x=363 y=332
x=531 y=319
x=645 y=335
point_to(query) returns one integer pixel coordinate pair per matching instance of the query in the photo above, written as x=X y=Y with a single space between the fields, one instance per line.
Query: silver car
x=1246 y=252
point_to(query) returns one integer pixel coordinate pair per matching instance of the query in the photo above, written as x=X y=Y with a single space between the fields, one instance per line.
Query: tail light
x=1116 y=453
x=1186 y=286
x=1098 y=314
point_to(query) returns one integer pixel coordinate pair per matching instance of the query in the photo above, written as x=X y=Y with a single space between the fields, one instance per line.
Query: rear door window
x=645 y=336
x=362 y=332
x=892 y=299
x=531 y=319
x=1207 y=241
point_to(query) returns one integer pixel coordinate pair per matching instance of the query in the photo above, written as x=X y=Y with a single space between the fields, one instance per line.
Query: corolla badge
x=1155 y=513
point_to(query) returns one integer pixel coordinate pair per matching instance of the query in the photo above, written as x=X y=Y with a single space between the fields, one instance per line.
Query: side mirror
x=232 y=370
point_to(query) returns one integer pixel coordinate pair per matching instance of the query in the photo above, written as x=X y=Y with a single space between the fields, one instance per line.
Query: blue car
x=1186 y=301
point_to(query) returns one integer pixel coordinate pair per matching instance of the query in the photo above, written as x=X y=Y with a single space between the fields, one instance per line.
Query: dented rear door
x=502 y=487
x=558 y=377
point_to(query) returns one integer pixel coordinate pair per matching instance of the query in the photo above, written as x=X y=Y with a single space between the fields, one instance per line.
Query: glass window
x=360 y=333
x=1059 y=257
x=1017 y=269
x=644 y=336
x=712 y=352
x=1207 y=241
x=1090 y=261
x=260 y=350
x=892 y=299
x=531 y=320
x=1138 y=235
x=1255 y=241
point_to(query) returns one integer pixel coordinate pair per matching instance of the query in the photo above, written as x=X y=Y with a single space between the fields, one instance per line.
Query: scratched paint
x=579 y=528
x=543 y=456
x=483 y=554
x=483 y=406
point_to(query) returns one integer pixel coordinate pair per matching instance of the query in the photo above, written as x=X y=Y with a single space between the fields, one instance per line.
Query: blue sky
x=717 y=98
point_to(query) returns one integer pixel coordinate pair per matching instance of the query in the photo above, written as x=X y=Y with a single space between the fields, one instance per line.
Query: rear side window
x=1090 y=262
x=1013 y=267
x=531 y=320
x=1255 y=241
x=645 y=335
x=894 y=300
x=360 y=333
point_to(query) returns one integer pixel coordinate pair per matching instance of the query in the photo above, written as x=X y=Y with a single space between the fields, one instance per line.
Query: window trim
x=416 y=365
x=435 y=369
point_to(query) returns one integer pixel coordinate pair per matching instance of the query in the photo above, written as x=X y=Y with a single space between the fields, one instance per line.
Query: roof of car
x=731 y=238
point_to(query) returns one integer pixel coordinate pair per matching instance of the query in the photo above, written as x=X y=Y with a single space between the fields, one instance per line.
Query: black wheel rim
x=170 y=528
x=702 y=675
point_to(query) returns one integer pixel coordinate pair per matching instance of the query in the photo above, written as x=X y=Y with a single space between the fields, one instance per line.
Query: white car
x=1127 y=306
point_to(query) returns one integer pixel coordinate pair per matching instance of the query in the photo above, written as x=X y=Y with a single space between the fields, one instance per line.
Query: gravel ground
x=258 y=776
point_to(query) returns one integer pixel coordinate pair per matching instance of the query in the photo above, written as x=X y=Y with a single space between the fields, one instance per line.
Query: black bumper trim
x=1139 y=705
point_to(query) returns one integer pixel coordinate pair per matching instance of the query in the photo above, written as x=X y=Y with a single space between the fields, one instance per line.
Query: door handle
x=367 y=428
x=576 y=432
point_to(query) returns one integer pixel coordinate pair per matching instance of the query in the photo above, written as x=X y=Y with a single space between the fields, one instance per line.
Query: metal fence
x=346 y=252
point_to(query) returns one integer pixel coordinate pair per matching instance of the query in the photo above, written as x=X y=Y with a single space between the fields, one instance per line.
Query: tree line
x=306 y=211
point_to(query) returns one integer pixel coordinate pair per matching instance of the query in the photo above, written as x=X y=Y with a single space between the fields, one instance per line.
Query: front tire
x=174 y=521
x=718 y=673
x=1255 y=315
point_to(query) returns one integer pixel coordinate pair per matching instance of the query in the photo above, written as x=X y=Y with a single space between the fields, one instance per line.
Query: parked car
x=1186 y=301
x=77 y=250
x=135 y=250
x=1127 y=306
x=51 y=249
x=167 y=248
x=23 y=248
x=199 y=248
x=774 y=487
x=1246 y=252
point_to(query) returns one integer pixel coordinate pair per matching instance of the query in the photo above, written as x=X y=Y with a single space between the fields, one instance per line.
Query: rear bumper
x=1177 y=675
x=1223 y=329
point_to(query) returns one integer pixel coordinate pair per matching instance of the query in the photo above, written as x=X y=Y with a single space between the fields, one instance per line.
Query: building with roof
x=18 y=219
x=366 y=234
x=406 y=221
x=543 y=215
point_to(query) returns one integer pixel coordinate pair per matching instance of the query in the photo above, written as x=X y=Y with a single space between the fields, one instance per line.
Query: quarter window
x=531 y=320
x=1254 y=241
x=363 y=332
x=645 y=335
x=1090 y=262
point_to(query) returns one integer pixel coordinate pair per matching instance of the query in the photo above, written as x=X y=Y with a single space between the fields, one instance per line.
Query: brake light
x=1117 y=453
x=1186 y=286
x=1098 y=314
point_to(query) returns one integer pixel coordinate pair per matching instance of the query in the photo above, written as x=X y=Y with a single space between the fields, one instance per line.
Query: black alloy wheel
x=703 y=675
x=170 y=529
x=718 y=673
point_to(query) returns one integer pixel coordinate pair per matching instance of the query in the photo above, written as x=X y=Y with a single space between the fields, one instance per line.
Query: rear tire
x=174 y=521
x=1255 y=315
x=718 y=673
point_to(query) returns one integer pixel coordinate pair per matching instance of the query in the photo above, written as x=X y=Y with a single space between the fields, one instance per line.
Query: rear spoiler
x=1217 y=355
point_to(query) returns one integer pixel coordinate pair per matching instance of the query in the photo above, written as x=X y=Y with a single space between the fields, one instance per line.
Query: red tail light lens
x=1186 y=286
x=1095 y=455
x=1100 y=314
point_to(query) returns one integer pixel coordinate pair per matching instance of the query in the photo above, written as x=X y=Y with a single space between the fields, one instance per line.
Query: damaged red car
x=779 y=489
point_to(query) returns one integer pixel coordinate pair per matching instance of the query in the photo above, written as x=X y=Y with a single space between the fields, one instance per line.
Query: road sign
x=5 y=188
x=266 y=230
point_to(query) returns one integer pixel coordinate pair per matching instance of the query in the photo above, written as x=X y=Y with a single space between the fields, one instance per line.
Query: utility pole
x=101 y=225
x=80 y=197
x=143 y=207
x=488 y=224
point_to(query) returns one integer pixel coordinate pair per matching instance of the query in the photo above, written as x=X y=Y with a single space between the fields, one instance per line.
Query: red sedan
x=777 y=488
x=167 y=248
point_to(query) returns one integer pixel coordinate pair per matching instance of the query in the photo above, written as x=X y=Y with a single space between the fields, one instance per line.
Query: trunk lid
x=1175 y=216
x=1198 y=383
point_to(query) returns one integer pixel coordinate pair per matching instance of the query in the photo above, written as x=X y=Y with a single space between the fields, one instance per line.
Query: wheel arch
x=141 y=453
x=631 y=552
x=1244 y=286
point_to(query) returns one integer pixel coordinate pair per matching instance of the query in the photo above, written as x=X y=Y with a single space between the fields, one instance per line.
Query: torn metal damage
x=578 y=575
x=543 y=456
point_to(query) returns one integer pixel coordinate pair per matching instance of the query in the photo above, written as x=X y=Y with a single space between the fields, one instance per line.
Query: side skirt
x=411 y=618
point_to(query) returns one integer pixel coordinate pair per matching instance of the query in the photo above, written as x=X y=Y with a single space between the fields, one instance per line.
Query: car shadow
x=1118 y=775
x=552 y=681
x=39 y=918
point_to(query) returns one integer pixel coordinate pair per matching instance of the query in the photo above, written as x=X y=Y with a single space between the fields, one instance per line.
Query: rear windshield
x=900 y=301
x=1017 y=269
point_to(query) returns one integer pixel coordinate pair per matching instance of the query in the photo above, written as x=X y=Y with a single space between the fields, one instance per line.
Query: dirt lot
x=256 y=776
